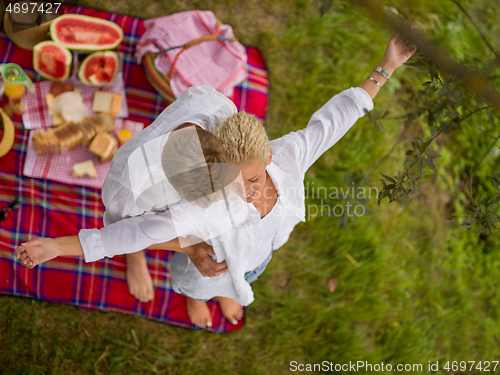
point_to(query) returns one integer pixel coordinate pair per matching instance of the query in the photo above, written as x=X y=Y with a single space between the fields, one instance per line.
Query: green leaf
x=325 y=6
x=495 y=199
x=431 y=164
x=390 y=179
x=403 y=201
x=412 y=163
x=495 y=183
x=423 y=147
x=384 y=194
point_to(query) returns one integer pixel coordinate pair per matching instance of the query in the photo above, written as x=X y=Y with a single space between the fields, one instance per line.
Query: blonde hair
x=194 y=175
x=245 y=138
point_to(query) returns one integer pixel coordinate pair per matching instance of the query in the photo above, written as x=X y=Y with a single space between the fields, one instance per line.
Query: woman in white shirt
x=274 y=172
x=273 y=179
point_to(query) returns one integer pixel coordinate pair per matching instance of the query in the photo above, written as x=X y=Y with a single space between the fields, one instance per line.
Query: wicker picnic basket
x=161 y=81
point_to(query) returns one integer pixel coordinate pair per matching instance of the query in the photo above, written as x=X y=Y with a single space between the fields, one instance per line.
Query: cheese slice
x=102 y=101
x=116 y=105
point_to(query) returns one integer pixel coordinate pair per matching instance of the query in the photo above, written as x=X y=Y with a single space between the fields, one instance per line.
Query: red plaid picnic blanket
x=53 y=209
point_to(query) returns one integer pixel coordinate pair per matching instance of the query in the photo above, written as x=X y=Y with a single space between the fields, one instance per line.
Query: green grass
x=411 y=287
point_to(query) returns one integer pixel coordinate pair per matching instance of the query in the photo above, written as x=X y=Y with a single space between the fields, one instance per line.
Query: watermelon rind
x=104 y=54
x=67 y=53
x=85 y=47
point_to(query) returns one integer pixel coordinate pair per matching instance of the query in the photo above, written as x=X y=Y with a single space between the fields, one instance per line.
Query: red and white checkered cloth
x=220 y=64
x=37 y=114
x=58 y=167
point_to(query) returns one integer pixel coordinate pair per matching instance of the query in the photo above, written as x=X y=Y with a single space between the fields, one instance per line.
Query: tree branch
x=472 y=79
x=477 y=29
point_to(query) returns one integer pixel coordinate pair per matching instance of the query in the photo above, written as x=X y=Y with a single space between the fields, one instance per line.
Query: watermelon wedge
x=52 y=61
x=78 y=32
x=99 y=68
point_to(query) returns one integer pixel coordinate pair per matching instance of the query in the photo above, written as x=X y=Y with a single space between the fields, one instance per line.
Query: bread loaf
x=89 y=131
x=69 y=135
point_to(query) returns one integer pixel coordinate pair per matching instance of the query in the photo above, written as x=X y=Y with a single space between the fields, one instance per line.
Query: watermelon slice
x=52 y=61
x=99 y=68
x=78 y=32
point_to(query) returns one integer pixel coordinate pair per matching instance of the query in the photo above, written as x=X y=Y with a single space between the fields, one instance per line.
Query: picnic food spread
x=72 y=123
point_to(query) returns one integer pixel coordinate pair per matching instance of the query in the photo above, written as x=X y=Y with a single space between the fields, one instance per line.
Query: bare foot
x=139 y=281
x=231 y=309
x=198 y=312
x=36 y=251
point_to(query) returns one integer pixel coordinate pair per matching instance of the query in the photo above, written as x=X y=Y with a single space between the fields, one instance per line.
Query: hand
x=198 y=254
x=36 y=251
x=397 y=52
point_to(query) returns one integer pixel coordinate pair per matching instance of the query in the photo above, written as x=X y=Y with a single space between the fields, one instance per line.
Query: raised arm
x=397 y=52
x=330 y=123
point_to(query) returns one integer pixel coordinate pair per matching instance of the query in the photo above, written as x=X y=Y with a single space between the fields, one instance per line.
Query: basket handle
x=204 y=38
x=194 y=42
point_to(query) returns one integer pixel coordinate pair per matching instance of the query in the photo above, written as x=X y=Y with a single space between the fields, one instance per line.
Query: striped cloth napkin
x=217 y=63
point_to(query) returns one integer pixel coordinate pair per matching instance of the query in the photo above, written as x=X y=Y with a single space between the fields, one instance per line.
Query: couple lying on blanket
x=204 y=181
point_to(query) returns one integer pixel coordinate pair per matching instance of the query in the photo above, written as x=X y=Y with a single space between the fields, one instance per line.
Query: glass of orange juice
x=12 y=88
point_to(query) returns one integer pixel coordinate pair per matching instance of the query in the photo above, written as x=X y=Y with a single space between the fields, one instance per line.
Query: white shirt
x=293 y=154
x=271 y=225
